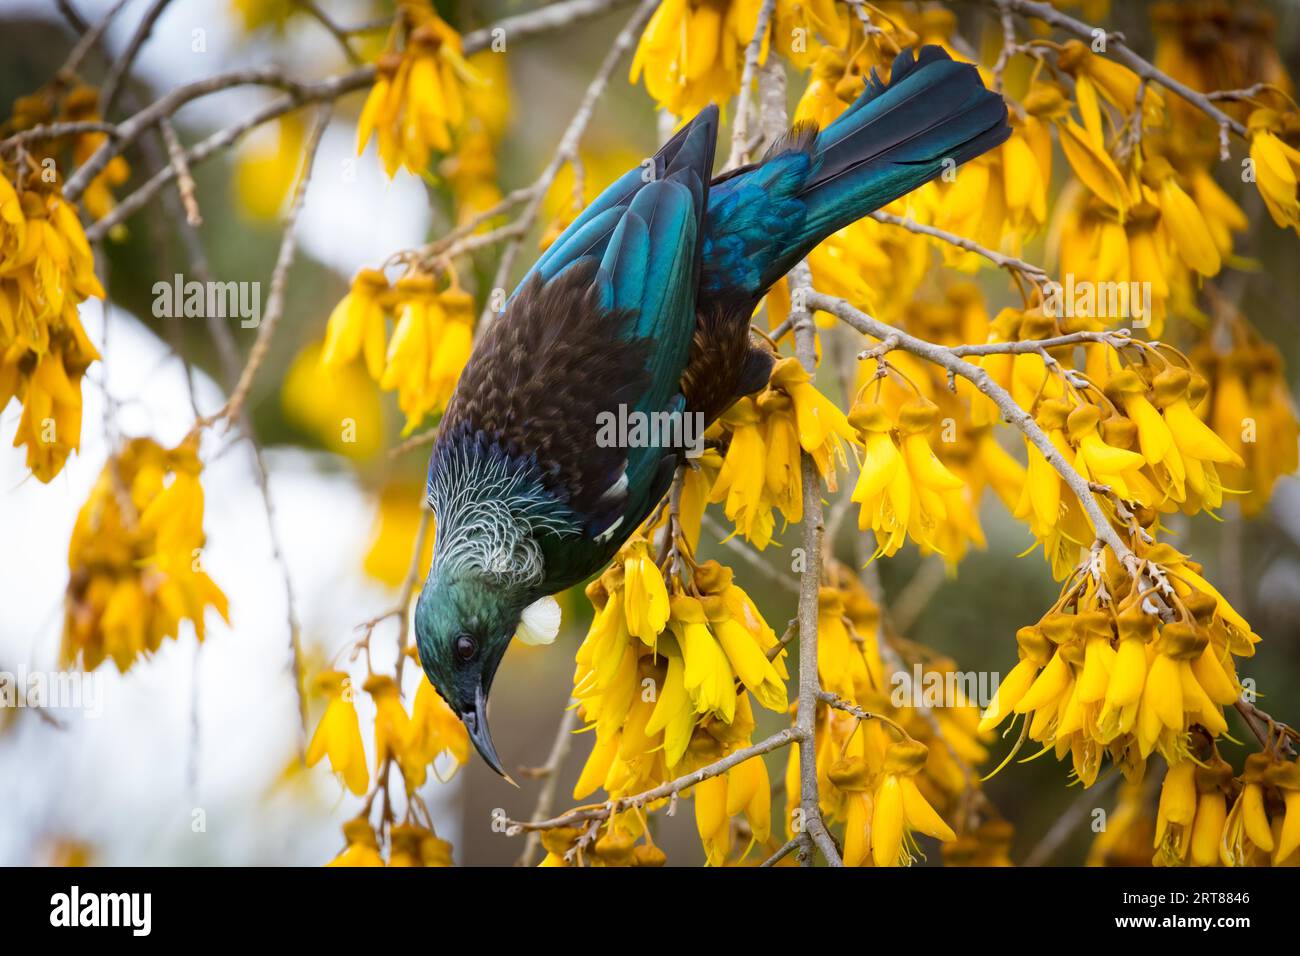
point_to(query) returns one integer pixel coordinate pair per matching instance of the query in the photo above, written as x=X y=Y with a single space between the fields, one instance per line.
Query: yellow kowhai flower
x=1192 y=813
x=1094 y=166
x=692 y=52
x=133 y=559
x=822 y=427
x=397 y=522
x=1276 y=166
x=1176 y=812
x=744 y=789
x=850 y=754
x=762 y=469
x=1175 y=391
x=820 y=102
x=1119 y=680
x=414 y=845
x=742 y=481
x=417 y=100
x=799 y=28
x=666 y=701
x=1114 y=81
x=338 y=734
x=1250 y=408
x=46 y=271
x=392 y=724
x=1181 y=218
x=362 y=847
x=82 y=105
x=998 y=199
x=338 y=405
x=471 y=171
x=645 y=598
x=357 y=325
x=434 y=731
x=848 y=663
x=430 y=346
x=266 y=168
x=744 y=636
x=897 y=809
x=902 y=484
x=1222 y=215
x=1250 y=837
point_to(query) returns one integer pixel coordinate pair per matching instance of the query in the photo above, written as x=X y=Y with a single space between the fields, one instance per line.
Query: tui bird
x=644 y=303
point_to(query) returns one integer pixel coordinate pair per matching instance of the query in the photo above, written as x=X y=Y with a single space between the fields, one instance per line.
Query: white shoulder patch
x=540 y=622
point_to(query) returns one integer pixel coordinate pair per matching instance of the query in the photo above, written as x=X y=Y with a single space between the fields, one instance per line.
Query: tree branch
x=1011 y=412
x=605 y=810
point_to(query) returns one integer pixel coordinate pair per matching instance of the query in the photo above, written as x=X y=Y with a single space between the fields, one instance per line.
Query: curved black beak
x=476 y=723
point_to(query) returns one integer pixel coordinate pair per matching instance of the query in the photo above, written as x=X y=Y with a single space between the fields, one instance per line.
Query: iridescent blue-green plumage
x=643 y=304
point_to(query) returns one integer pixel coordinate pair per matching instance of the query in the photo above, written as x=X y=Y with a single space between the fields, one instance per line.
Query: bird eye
x=466 y=648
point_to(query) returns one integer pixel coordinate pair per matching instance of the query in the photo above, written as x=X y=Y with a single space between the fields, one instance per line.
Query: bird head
x=463 y=626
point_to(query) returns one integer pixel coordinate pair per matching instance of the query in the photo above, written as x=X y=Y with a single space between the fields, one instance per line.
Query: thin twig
x=275 y=300
x=184 y=178
x=1035 y=274
x=740 y=126
x=1068 y=822
x=88 y=40
x=1118 y=50
x=550 y=774
x=121 y=68
x=603 y=811
x=567 y=149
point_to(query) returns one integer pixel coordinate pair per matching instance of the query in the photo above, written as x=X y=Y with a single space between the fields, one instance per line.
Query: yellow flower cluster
x=418 y=100
x=692 y=52
x=82 y=105
x=433 y=334
x=901 y=397
x=46 y=271
x=412 y=742
x=266 y=167
x=79 y=103
x=1207 y=817
x=471 y=170
x=1103 y=672
x=410 y=844
x=1143 y=208
x=903 y=488
x=1130 y=425
x=1216 y=46
x=1249 y=405
x=1277 y=164
x=765 y=435
x=134 y=557
x=656 y=679
x=882 y=778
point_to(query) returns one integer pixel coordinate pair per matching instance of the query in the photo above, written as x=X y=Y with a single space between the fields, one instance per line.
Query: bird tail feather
x=934 y=114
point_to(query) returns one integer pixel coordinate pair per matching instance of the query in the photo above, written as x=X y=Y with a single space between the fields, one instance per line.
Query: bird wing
x=604 y=320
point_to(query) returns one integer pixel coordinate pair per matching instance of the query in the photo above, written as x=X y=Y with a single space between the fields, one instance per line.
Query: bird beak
x=476 y=723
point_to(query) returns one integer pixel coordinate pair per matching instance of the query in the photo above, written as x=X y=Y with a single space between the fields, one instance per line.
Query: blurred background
x=213 y=726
